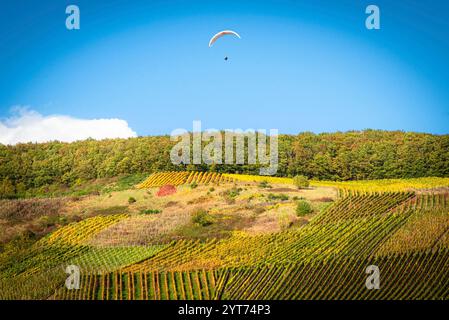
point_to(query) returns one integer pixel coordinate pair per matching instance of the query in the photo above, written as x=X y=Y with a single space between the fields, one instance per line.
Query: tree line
x=354 y=155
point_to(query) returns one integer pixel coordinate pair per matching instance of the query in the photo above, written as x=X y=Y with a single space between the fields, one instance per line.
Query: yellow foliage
x=177 y=178
x=386 y=185
x=80 y=232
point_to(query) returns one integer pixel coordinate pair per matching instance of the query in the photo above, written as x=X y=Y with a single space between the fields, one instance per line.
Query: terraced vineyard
x=40 y=269
x=363 y=205
x=253 y=178
x=102 y=260
x=81 y=232
x=422 y=275
x=177 y=178
x=388 y=185
x=312 y=243
x=404 y=234
x=191 y=285
x=334 y=279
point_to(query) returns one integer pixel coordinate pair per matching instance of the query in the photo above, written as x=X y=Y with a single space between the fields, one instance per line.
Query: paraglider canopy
x=221 y=34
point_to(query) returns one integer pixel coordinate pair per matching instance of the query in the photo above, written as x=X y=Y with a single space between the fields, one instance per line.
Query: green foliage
x=202 y=217
x=230 y=194
x=303 y=208
x=234 y=192
x=54 y=167
x=7 y=190
x=131 y=200
x=109 y=259
x=281 y=197
x=150 y=211
x=211 y=189
x=125 y=182
x=51 y=221
x=264 y=184
x=193 y=185
x=301 y=181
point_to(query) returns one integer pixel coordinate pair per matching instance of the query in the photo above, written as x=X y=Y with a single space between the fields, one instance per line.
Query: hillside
x=240 y=239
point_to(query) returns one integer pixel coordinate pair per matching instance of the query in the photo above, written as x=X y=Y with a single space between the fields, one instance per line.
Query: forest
x=31 y=168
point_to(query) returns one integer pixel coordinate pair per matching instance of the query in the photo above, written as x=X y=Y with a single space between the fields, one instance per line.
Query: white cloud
x=30 y=126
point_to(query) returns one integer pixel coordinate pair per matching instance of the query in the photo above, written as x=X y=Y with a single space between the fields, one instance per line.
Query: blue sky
x=300 y=65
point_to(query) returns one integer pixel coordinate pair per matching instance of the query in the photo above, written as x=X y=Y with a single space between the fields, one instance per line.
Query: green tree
x=7 y=189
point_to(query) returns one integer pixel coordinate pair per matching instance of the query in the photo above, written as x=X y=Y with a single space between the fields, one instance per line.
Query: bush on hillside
x=202 y=217
x=303 y=208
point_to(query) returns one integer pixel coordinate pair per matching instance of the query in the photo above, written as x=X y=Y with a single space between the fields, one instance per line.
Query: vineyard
x=191 y=285
x=405 y=234
x=388 y=185
x=177 y=178
x=345 y=279
x=252 y=178
x=320 y=240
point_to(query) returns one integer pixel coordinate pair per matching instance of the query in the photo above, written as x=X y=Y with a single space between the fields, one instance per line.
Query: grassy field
x=235 y=238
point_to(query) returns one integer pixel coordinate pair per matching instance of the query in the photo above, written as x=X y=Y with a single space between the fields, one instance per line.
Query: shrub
x=202 y=217
x=212 y=189
x=301 y=181
x=234 y=192
x=131 y=200
x=229 y=195
x=282 y=197
x=150 y=211
x=51 y=221
x=264 y=184
x=285 y=221
x=303 y=208
x=193 y=185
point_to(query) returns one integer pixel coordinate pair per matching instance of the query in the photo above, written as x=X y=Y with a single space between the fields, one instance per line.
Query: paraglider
x=221 y=34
